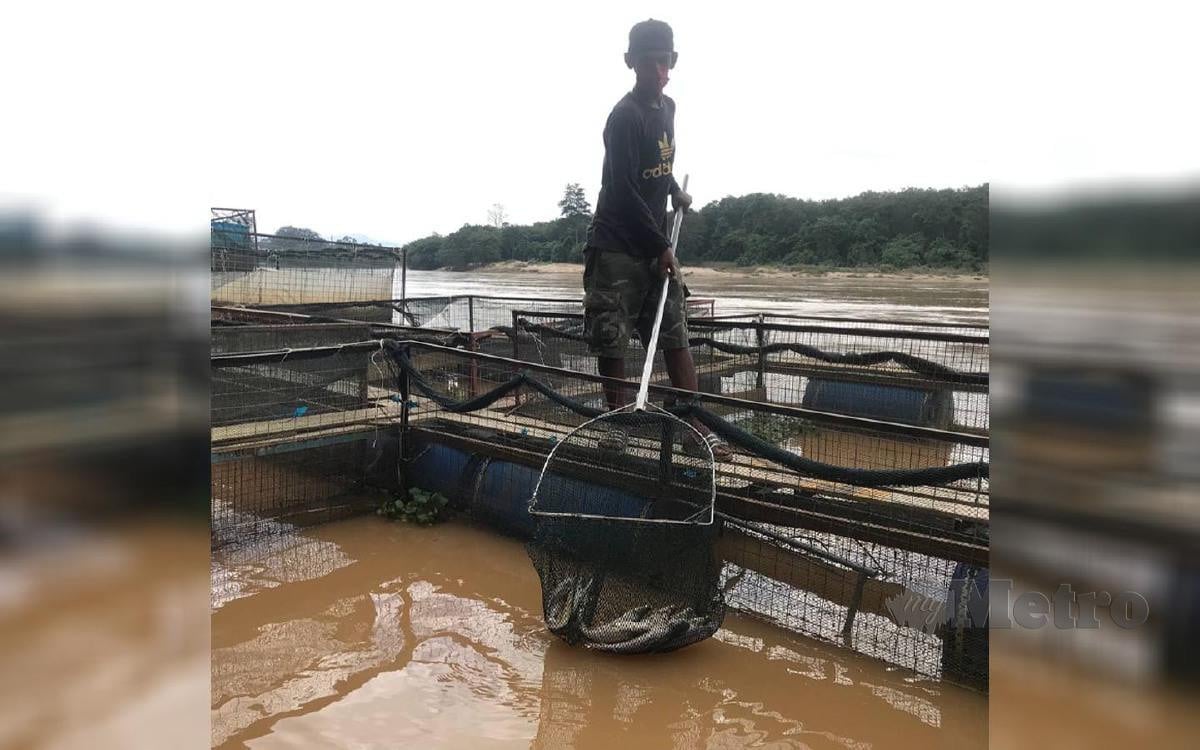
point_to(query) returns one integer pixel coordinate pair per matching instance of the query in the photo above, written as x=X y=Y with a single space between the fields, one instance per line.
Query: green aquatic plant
x=420 y=507
x=776 y=429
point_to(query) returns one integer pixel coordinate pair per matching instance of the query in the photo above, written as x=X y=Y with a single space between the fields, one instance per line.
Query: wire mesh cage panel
x=896 y=605
x=488 y=319
x=465 y=313
x=966 y=327
x=482 y=312
x=275 y=270
x=258 y=494
x=374 y=311
x=929 y=375
x=931 y=378
x=300 y=436
x=263 y=338
x=840 y=527
x=870 y=533
x=845 y=454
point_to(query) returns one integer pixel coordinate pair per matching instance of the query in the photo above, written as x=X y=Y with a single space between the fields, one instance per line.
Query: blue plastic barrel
x=498 y=492
x=440 y=468
x=563 y=495
x=502 y=499
x=925 y=407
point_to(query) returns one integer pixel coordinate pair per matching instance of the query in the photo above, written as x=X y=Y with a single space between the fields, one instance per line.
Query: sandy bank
x=751 y=272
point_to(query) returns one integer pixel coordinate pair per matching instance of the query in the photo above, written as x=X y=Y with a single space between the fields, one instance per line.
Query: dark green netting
x=630 y=568
x=932 y=476
x=628 y=586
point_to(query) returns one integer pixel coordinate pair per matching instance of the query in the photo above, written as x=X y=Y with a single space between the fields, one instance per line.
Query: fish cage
x=232 y=339
x=911 y=324
x=462 y=312
x=249 y=268
x=869 y=533
x=297 y=440
x=931 y=376
x=936 y=378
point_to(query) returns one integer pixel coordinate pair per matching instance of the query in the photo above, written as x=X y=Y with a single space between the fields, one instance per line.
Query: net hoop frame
x=629 y=409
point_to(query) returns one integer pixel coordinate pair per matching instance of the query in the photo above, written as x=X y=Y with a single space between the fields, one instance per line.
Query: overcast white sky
x=394 y=120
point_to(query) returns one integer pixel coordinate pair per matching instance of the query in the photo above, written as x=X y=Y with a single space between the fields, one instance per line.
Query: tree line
x=912 y=228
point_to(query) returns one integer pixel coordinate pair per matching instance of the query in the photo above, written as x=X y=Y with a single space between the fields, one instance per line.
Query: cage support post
x=403 y=282
x=364 y=385
x=516 y=347
x=473 y=345
x=405 y=400
x=760 y=337
x=859 y=583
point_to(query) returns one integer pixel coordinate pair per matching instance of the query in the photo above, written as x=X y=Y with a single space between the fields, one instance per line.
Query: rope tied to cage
x=418 y=381
x=919 y=365
x=748 y=441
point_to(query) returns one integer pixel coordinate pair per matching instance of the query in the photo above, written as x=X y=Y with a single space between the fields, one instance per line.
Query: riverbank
x=734 y=273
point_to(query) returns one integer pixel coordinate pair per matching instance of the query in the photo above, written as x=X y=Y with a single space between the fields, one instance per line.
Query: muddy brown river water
x=371 y=633
x=961 y=299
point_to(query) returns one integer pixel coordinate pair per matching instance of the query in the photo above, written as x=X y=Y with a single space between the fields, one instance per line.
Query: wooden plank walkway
x=276 y=430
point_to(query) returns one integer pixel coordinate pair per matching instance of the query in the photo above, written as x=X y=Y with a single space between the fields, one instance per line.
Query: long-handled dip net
x=625 y=537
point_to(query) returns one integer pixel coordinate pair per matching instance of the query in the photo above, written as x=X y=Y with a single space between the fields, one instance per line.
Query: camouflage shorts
x=620 y=292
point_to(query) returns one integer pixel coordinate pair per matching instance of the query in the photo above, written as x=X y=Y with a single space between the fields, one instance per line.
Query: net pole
x=652 y=345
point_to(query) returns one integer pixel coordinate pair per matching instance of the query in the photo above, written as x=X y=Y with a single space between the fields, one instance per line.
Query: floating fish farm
x=854 y=509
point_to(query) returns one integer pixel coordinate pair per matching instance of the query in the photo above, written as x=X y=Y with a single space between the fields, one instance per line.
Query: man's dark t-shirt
x=639 y=154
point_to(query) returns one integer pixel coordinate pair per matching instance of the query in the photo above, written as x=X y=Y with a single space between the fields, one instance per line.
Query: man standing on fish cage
x=628 y=252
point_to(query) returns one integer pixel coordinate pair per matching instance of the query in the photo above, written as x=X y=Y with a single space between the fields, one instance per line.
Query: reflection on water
x=411 y=637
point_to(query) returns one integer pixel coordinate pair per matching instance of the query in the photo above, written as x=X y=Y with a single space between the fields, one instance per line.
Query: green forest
x=943 y=229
